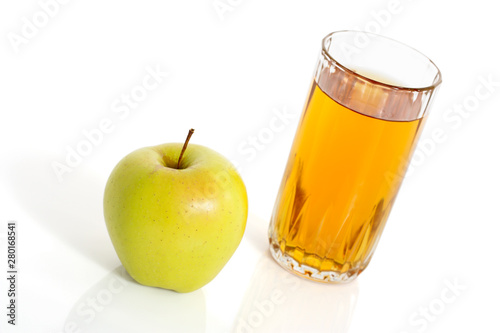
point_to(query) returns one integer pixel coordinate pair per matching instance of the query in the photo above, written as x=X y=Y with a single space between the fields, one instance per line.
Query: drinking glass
x=365 y=110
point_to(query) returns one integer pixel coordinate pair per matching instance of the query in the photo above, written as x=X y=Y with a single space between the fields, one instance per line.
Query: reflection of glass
x=277 y=301
x=119 y=304
x=363 y=116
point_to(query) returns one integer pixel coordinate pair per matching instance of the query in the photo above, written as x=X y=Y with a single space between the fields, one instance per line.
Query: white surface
x=228 y=79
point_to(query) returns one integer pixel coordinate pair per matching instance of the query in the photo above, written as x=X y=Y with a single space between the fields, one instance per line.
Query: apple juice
x=341 y=180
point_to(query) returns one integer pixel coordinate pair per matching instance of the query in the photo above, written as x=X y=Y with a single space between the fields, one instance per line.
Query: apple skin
x=175 y=228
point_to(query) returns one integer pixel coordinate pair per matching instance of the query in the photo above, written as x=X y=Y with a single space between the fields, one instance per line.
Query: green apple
x=174 y=218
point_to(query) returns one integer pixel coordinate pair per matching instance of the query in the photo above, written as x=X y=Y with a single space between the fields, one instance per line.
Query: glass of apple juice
x=365 y=110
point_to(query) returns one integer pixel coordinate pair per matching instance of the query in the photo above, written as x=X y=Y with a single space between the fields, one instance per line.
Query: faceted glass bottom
x=311 y=273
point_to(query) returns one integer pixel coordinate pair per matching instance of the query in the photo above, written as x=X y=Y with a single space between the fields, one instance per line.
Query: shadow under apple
x=119 y=304
x=70 y=210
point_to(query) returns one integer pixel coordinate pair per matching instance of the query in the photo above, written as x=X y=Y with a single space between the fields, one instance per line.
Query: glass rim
x=436 y=82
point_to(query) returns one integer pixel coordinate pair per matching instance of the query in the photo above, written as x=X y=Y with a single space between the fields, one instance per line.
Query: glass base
x=311 y=273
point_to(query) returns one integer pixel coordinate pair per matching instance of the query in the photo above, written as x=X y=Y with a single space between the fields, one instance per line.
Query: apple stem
x=191 y=131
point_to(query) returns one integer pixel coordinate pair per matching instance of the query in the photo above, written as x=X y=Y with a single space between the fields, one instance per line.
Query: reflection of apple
x=175 y=218
x=115 y=303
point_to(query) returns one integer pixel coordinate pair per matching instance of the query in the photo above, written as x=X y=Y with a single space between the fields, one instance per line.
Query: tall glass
x=364 y=113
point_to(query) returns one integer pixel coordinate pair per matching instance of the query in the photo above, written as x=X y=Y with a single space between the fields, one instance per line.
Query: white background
x=230 y=70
